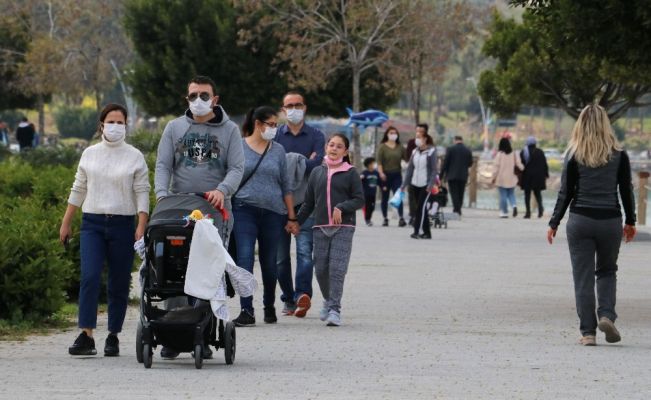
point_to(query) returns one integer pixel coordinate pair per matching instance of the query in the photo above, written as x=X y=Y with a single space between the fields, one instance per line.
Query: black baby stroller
x=185 y=329
x=435 y=205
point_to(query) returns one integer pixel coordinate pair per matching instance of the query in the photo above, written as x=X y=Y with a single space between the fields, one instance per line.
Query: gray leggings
x=331 y=256
x=594 y=247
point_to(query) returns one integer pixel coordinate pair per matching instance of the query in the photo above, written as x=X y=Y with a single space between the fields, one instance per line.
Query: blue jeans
x=251 y=224
x=110 y=239
x=304 y=263
x=506 y=194
x=392 y=184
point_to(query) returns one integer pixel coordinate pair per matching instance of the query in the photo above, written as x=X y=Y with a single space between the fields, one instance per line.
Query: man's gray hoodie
x=199 y=157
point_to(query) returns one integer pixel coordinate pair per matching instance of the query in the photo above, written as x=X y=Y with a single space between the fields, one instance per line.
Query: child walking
x=370 y=178
x=334 y=194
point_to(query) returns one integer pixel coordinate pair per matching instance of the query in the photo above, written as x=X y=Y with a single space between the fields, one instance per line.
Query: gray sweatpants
x=332 y=248
x=594 y=247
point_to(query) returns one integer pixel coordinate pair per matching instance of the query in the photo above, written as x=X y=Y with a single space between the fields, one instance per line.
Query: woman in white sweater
x=111 y=187
x=505 y=178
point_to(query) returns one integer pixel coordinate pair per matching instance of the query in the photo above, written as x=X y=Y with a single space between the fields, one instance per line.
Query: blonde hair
x=593 y=141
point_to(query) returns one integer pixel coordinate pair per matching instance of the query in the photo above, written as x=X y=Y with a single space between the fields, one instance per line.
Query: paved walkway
x=485 y=310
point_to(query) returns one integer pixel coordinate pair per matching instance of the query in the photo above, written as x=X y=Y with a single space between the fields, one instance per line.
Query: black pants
x=421 y=219
x=369 y=206
x=413 y=202
x=457 y=189
x=527 y=200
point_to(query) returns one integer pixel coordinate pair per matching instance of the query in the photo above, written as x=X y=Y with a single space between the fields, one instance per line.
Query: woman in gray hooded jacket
x=421 y=175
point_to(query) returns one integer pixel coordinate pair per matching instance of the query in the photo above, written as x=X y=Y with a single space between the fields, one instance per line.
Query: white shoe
x=334 y=318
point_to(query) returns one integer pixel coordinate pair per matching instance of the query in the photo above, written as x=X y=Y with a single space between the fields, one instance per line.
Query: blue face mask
x=295 y=116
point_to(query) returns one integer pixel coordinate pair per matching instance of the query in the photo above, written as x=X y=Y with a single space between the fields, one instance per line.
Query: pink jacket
x=504 y=165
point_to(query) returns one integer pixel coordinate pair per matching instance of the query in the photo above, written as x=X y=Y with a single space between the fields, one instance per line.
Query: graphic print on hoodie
x=198 y=149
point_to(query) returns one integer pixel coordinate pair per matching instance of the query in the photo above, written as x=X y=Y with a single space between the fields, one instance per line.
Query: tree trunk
x=357 y=148
x=40 y=106
x=558 y=117
x=416 y=91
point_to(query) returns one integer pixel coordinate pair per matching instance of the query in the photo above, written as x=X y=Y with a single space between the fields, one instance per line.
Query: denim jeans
x=251 y=224
x=304 y=263
x=105 y=239
x=506 y=195
x=392 y=184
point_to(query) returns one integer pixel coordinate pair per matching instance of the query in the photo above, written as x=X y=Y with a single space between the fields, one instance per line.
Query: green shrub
x=47 y=156
x=78 y=122
x=16 y=178
x=145 y=141
x=33 y=266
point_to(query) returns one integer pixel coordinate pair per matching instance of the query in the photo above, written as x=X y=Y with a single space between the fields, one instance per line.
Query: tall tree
x=568 y=54
x=14 y=42
x=320 y=38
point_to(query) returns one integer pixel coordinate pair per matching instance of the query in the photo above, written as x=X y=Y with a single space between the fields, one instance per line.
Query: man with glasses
x=298 y=137
x=200 y=152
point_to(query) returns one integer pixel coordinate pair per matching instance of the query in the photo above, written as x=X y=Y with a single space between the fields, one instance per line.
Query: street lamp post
x=484 y=113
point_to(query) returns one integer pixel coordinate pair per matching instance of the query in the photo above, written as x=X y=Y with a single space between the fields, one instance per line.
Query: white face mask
x=200 y=108
x=269 y=133
x=418 y=142
x=393 y=137
x=114 y=132
x=295 y=116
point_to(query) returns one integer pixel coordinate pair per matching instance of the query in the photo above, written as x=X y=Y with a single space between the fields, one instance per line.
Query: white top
x=112 y=178
x=419 y=179
x=504 y=165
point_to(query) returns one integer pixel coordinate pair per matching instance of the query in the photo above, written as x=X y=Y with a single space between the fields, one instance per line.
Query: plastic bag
x=398 y=197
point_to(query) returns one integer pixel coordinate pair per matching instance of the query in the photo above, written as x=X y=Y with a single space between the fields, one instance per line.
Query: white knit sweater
x=112 y=178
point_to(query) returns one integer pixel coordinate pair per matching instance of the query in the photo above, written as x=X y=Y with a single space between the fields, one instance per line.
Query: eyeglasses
x=292 y=106
x=205 y=96
x=270 y=124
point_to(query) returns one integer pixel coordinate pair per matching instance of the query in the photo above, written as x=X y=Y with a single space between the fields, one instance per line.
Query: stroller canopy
x=176 y=206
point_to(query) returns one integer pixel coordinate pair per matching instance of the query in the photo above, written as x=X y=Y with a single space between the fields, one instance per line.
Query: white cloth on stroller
x=208 y=260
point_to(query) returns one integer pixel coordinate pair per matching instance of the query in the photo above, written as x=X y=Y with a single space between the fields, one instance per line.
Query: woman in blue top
x=262 y=206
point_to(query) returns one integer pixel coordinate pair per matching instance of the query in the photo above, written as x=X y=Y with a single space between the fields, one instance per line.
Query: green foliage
x=80 y=122
x=14 y=42
x=145 y=141
x=569 y=54
x=51 y=156
x=33 y=267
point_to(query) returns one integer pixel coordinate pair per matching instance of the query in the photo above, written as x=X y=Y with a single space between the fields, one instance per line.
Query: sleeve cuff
x=76 y=198
x=142 y=202
x=226 y=189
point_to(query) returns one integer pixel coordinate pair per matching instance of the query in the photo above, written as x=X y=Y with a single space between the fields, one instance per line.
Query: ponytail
x=261 y=114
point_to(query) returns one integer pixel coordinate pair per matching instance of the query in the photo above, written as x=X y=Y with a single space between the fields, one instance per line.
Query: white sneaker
x=323 y=314
x=334 y=318
x=504 y=215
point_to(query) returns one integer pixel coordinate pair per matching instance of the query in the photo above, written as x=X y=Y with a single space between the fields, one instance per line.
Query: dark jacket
x=25 y=134
x=458 y=159
x=592 y=192
x=346 y=194
x=432 y=160
x=535 y=174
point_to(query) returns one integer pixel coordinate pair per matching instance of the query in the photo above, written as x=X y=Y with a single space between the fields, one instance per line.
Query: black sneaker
x=244 y=319
x=385 y=222
x=168 y=353
x=84 y=346
x=112 y=346
x=402 y=222
x=270 y=315
x=515 y=212
x=414 y=236
x=425 y=236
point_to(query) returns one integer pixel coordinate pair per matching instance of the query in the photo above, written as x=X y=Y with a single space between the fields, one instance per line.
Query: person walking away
x=370 y=179
x=505 y=178
x=421 y=176
x=262 y=207
x=111 y=187
x=334 y=194
x=25 y=134
x=297 y=136
x=200 y=151
x=4 y=135
x=596 y=169
x=458 y=159
x=389 y=155
x=534 y=176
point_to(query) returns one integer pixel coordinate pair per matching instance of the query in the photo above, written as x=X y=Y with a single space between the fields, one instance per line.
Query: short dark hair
x=261 y=114
x=204 y=80
x=458 y=138
x=505 y=146
x=368 y=161
x=424 y=126
x=294 y=92
x=385 y=138
x=24 y=119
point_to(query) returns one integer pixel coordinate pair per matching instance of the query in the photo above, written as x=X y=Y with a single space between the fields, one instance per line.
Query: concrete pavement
x=485 y=310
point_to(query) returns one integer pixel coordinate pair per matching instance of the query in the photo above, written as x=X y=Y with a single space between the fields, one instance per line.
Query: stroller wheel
x=229 y=343
x=198 y=356
x=147 y=355
x=139 y=343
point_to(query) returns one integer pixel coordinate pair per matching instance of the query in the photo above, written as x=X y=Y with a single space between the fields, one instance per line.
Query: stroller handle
x=204 y=195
